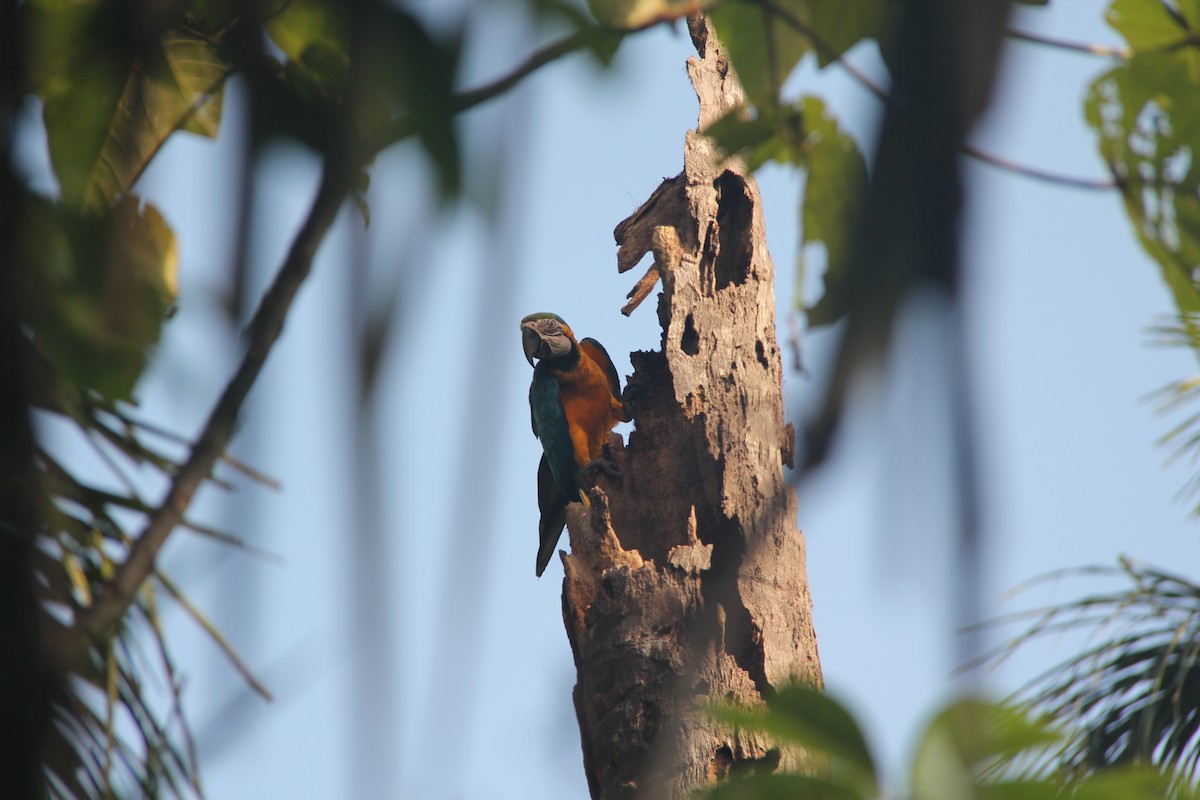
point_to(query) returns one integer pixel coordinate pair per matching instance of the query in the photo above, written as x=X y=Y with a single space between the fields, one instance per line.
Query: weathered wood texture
x=687 y=581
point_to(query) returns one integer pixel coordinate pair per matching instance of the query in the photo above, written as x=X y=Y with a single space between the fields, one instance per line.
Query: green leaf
x=98 y=291
x=1021 y=790
x=108 y=109
x=965 y=738
x=212 y=16
x=843 y=24
x=1136 y=783
x=833 y=193
x=314 y=35
x=758 y=139
x=599 y=40
x=200 y=73
x=815 y=721
x=735 y=132
x=1147 y=121
x=631 y=14
x=762 y=47
x=1145 y=24
x=766 y=42
x=412 y=75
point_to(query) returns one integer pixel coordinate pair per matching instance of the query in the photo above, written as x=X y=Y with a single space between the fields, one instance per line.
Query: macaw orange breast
x=590 y=407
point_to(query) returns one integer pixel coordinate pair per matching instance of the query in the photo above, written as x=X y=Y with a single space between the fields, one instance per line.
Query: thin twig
x=537 y=60
x=150 y=610
x=211 y=630
x=403 y=127
x=463 y=101
x=234 y=463
x=885 y=97
x=117 y=593
x=1103 y=50
x=1033 y=172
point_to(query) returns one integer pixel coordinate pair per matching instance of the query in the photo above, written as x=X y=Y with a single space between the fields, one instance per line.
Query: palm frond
x=1184 y=436
x=120 y=730
x=1132 y=697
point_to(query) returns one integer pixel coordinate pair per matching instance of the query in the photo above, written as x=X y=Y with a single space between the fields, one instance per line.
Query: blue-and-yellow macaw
x=574 y=401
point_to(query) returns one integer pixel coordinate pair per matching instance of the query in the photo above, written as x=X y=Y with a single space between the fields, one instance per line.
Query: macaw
x=574 y=401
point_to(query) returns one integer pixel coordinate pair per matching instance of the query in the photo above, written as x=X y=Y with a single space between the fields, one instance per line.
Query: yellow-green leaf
x=314 y=35
x=108 y=109
x=1145 y=24
x=803 y=716
x=630 y=14
x=200 y=73
x=843 y=24
x=97 y=292
x=833 y=192
x=966 y=737
x=1147 y=122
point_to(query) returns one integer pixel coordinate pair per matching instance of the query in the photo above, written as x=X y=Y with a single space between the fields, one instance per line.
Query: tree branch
x=885 y=97
x=116 y=594
x=538 y=59
x=466 y=100
x=403 y=127
x=1034 y=172
x=1104 y=50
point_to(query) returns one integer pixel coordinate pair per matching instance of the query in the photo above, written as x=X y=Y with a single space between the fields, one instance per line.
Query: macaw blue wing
x=550 y=425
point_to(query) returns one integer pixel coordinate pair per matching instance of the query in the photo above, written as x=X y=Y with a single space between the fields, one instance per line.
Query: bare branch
x=1103 y=50
x=1034 y=172
x=466 y=100
x=538 y=59
x=403 y=127
x=117 y=593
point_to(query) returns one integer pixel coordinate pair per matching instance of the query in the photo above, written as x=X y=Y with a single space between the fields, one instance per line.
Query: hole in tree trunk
x=690 y=341
x=734 y=218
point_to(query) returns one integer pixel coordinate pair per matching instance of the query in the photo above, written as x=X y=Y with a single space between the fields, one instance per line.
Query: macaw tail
x=553 y=506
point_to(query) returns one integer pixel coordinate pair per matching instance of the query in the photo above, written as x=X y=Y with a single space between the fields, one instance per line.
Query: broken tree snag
x=686 y=583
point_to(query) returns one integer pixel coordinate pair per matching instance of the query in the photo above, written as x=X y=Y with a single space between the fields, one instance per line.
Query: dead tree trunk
x=687 y=582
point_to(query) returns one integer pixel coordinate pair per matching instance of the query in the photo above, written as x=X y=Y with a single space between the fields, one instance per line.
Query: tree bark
x=686 y=582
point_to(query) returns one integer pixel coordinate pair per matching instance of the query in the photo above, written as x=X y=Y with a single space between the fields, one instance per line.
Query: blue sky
x=459 y=685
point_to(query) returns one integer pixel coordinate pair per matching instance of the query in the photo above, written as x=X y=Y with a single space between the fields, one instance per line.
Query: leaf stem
x=236 y=660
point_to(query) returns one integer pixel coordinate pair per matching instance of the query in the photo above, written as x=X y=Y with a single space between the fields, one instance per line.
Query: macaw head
x=545 y=335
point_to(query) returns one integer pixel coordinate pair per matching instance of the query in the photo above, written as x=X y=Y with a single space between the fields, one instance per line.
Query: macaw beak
x=532 y=343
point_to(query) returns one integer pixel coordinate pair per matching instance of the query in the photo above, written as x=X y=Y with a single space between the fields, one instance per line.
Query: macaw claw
x=602 y=464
